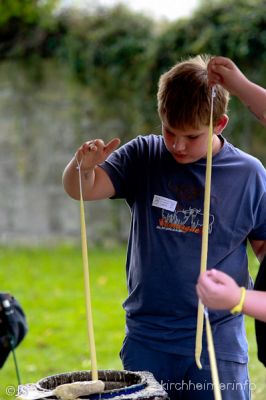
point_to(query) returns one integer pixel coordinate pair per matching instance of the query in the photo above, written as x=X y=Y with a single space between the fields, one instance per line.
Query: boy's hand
x=95 y=152
x=218 y=290
x=223 y=71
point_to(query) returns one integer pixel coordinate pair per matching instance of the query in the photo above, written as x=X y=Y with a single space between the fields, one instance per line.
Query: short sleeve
x=125 y=168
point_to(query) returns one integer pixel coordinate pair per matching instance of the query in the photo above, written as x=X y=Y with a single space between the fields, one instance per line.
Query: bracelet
x=239 y=307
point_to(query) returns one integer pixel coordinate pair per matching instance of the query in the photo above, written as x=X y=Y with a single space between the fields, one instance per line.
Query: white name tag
x=164 y=202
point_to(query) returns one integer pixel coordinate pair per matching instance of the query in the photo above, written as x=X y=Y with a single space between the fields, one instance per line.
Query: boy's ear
x=221 y=124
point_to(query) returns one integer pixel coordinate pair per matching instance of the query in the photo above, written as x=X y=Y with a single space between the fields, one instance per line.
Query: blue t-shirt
x=163 y=260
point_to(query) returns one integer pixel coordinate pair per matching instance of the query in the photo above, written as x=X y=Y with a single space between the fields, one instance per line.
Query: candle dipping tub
x=124 y=385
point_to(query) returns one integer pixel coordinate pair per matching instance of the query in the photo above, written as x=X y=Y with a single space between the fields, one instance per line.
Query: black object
x=13 y=325
x=260 y=327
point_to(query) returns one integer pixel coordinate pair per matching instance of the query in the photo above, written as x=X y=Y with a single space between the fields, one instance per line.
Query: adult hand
x=223 y=71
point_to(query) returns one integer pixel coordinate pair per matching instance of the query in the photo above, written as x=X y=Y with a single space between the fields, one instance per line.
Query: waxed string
x=89 y=319
x=203 y=267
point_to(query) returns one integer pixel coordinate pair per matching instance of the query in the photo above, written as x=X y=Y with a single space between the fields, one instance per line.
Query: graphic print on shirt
x=185 y=220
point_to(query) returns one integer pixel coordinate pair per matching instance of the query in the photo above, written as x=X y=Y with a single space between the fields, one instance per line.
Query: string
x=89 y=319
x=205 y=231
x=213 y=364
x=203 y=266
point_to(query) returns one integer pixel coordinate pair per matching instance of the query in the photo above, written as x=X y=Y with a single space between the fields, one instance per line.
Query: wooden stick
x=89 y=319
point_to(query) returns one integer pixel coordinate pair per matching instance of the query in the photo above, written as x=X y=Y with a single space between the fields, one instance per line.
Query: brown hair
x=184 y=96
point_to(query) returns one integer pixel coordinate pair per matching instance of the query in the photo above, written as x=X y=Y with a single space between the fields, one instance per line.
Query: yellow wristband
x=238 y=308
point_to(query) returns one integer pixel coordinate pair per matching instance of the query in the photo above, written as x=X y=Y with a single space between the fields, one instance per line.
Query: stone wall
x=42 y=122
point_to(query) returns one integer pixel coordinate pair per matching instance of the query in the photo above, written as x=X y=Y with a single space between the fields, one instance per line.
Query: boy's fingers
x=111 y=146
x=79 y=154
x=97 y=145
x=92 y=145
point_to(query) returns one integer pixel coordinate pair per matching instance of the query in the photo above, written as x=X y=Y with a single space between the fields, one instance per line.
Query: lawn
x=49 y=285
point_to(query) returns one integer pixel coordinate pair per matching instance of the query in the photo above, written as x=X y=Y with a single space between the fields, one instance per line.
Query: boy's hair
x=184 y=96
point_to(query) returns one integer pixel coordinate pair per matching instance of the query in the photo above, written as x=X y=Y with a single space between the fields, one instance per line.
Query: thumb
x=111 y=146
x=218 y=276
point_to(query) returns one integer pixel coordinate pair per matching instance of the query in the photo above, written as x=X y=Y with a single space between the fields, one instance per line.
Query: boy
x=162 y=179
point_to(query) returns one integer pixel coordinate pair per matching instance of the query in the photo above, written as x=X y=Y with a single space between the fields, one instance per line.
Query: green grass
x=49 y=285
x=256 y=369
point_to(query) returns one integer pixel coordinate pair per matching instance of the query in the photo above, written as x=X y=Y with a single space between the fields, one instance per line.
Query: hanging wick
x=78 y=163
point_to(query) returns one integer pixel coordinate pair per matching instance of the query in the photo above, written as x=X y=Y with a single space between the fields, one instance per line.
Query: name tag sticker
x=164 y=202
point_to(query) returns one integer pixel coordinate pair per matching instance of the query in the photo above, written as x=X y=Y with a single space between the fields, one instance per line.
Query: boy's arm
x=96 y=184
x=223 y=71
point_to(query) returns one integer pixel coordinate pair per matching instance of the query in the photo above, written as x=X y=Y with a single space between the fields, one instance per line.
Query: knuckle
x=99 y=142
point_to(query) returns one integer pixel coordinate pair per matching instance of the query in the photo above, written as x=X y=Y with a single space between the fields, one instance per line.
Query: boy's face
x=188 y=145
